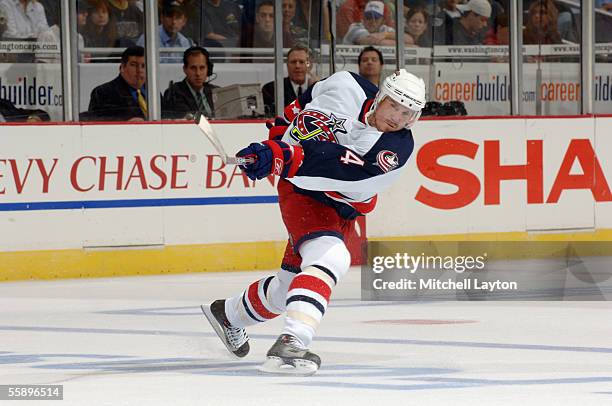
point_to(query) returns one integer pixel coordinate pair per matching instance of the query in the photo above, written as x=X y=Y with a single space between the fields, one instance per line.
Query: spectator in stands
x=351 y=11
x=129 y=21
x=222 y=18
x=450 y=8
x=293 y=34
x=193 y=94
x=52 y=10
x=25 y=19
x=417 y=21
x=500 y=34
x=470 y=28
x=82 y=14
x=12 y=114
x=125 y=97
x=53 y=37
x=541 y=25
x=173 y=19
x=101 y=30
x=371 y=30
x=299 y=65
x=565 y=20
x=263 y=34
x=442 y=21
x=193 y=12
x=371 y=63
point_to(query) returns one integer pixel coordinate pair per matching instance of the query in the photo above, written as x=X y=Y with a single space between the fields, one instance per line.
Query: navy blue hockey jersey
x=346 y=161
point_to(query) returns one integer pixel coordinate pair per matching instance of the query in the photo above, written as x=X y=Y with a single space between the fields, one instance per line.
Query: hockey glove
x=277 y=128
x=271 y=158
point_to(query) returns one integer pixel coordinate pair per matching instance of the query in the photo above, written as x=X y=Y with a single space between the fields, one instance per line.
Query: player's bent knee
x=328 y=252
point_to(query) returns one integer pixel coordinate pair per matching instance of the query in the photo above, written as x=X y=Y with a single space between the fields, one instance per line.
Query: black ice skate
x=288 y=357
x=235 y=339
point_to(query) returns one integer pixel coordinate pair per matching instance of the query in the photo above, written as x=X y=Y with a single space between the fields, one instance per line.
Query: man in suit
x=125 y=97
x=12 y=114
x=296 y=83
x=194 y=93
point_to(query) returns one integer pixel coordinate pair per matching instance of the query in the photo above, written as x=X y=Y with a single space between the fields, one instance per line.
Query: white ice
x=143 y=341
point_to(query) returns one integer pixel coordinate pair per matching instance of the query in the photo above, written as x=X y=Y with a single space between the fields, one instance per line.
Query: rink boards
x=109 y=199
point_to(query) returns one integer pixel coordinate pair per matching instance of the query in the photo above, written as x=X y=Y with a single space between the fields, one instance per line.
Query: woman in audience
x=100 y=31
x=541 y=24
x=417 y=27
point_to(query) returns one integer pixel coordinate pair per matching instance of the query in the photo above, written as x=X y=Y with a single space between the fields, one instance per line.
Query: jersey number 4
x=351 y=158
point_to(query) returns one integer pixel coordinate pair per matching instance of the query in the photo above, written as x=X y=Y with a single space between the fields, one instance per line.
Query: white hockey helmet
x=406 y=89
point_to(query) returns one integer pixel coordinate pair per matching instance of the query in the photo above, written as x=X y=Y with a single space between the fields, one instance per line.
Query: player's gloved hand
x=277 y=128
x=271 y=157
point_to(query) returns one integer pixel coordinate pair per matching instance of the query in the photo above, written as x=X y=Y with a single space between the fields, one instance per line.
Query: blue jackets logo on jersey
x=387 y=160
x=313 y=124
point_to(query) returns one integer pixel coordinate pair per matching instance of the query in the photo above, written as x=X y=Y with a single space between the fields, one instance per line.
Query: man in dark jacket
x=125 y=97
x=297 y=81
x=12 y=114
x=193 y=94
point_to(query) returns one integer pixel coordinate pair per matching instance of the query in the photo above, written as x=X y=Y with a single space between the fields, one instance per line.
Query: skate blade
x=217 y=327
x=298 y=367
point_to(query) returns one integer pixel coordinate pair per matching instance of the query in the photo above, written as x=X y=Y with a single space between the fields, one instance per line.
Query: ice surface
x=144 y=341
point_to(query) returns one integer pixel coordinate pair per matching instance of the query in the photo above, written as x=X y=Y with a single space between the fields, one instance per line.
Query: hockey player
x=339 y=144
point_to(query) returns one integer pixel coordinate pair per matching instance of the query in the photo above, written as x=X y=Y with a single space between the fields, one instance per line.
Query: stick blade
x=205 y=126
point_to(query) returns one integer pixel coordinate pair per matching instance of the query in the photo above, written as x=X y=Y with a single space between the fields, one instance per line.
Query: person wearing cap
x=471 y=27
x=173 y=20
x=351 y=11
x=372 y=30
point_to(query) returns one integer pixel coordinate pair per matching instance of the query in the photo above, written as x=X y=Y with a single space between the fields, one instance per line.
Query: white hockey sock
x=324 y=261
x=307 y=300
x=261 y=301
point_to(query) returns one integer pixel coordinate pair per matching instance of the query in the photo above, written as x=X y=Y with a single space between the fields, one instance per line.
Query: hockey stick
x=206 y=128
